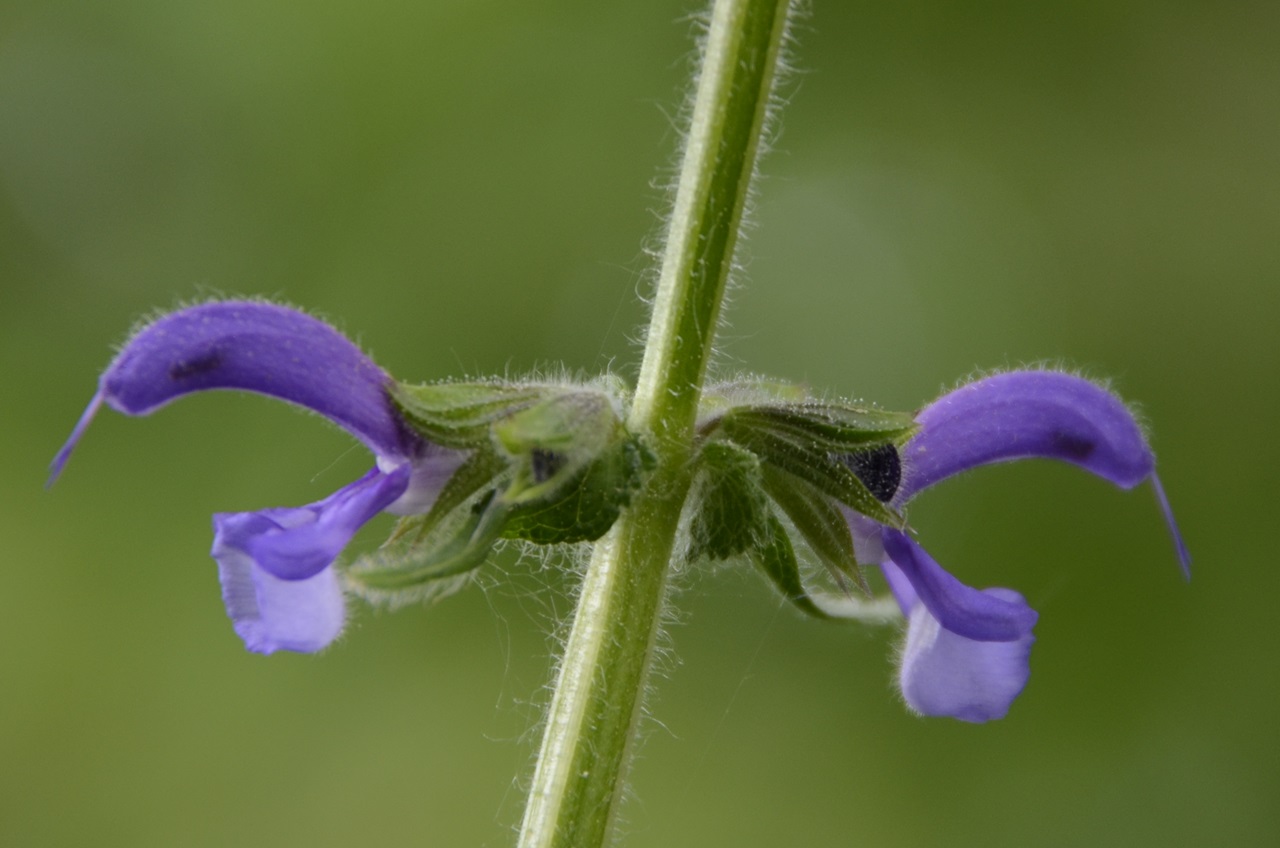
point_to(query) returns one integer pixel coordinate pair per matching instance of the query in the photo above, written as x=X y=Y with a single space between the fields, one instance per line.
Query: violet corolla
x=274 y=564
x=966 y=652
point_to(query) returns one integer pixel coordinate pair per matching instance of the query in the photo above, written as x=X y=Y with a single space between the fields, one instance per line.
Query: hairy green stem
x=596 y=706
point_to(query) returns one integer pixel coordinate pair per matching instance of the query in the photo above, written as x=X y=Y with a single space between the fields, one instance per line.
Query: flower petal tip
x=1184 y=555
x=64 y=453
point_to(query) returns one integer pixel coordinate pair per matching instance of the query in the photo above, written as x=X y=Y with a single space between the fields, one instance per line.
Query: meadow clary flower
x=967 y=651
x=278 y=587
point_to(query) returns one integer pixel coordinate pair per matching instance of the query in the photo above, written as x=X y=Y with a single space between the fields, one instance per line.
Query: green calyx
x=545 y=464
x=462 y=415
x=810 y=440
x=575 y=466
x=768 y=472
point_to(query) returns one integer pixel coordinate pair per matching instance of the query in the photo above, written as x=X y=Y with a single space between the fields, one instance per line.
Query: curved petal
x=1024 y=414
x=944 y=674
x=960 y=609
x=294 y=543
x=900 y=586
x=255 y=347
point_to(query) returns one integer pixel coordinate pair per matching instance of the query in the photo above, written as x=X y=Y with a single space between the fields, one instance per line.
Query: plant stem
x=596 y=705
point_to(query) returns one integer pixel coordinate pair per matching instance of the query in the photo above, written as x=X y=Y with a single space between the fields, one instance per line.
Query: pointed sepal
x=429 y=556
x=820 y=523
x=461 y=415
x=775 y=556
x=811 y=441
x=731 y=513
x=840 y=428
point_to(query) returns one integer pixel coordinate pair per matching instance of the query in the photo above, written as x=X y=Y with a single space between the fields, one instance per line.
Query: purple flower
x=967 y=651
x=274 y=564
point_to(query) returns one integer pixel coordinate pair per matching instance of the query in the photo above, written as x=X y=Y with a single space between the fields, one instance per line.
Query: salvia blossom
x=273 y=564
x=966 y=652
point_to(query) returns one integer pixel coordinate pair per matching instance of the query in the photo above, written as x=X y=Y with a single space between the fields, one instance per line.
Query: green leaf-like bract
x=839 y=428
x=759 y=462
x=734 y=498
x=818 y=521
x=732 y=513
x=776 y=557
x=461 y=546
x=808 y=441
x=583 y=503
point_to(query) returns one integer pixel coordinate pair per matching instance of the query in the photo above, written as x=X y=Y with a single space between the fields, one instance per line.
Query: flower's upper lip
x=1033 y=414
x=255 y=347
x=1023 y=414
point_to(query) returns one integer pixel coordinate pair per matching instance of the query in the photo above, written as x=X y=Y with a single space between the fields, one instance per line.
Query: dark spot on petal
x=879 y=469
x=545 y=464
x=1072 y=447
x=186 y=368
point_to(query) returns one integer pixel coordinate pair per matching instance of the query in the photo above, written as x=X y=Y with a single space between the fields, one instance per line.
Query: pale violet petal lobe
x=944 y=674
x=277 y=585
x=270 y=614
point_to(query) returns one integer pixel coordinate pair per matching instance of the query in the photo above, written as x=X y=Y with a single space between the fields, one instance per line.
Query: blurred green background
x=469 y=188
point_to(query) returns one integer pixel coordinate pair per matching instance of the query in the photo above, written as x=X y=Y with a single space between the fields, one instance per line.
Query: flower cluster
x=564 y=457
x=278 y=587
